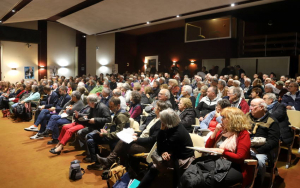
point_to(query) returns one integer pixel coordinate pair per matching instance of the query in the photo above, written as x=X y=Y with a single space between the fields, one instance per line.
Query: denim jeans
x=261 y=164
x=53 y=124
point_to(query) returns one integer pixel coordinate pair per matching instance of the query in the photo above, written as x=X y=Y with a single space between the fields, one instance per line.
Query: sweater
x=33 y=97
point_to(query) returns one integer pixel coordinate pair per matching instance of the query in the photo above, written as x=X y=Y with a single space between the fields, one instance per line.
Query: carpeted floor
x=28 y=163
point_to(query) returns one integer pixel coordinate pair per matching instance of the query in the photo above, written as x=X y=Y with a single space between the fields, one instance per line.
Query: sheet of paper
x=202 y=149
x=126 y=135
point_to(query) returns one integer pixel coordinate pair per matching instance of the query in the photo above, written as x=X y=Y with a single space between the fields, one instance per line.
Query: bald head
x=117 y=92
x=258 y=107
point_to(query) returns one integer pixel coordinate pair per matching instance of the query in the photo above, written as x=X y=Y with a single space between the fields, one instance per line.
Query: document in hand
x=63 y=115
x=126 y=135
x=202 y=149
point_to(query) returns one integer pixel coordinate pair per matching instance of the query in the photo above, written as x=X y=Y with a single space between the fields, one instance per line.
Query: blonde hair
x=187 y=102
x=237 y=120
x=147 y=90
x=175 y=82
x=137 y=86
x=164 y=86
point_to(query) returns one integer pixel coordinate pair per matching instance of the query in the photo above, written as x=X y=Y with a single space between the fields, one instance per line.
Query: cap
x=280 y=83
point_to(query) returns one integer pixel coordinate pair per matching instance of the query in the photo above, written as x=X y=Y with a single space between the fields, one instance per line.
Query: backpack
x=75 y=172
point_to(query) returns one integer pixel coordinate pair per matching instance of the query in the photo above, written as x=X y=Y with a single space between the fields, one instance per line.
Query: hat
x=280 y=83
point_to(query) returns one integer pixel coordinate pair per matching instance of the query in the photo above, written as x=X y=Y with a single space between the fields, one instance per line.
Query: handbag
x=123 y=182
x=113 y=174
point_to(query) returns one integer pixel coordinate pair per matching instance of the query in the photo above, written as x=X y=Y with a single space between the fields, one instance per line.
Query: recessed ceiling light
x=148 y=22
x=13 y=10
x=178 y=16
x=83 y=36
x=0 y=21
x=232 y=4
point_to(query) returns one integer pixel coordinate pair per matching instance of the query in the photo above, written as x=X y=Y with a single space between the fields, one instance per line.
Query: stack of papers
x=126 y=135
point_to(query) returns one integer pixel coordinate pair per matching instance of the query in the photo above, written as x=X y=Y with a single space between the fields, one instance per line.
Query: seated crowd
x=231 y=110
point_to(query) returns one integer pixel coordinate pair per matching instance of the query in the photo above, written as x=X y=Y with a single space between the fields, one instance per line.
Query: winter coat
x=187 y=117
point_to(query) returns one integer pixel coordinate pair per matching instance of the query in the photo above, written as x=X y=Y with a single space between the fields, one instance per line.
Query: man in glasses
x=291 y=99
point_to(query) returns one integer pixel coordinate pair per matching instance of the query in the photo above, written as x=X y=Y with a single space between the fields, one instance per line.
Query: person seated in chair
x=64 y=117
x=142 y=141
x=107 y=135
x=135 y=109
x=264 y=126
x=45 y=114
x=51 y=101
x=68 y=130
x=187 y=113
x=236 y=100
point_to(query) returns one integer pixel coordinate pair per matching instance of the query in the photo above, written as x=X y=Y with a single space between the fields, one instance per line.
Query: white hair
x=169 y=118
x=238 y=83
x=271 y=96
x=188 y=89
x=248 y=80
x=93 y=98
x=80 y=84
x=270 y=86
x=126 y=86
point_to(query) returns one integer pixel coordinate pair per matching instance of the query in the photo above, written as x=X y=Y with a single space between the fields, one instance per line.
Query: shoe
x=45 y=133
x=32 y=128
x=106 y=162
x=95 y=166
x=87 y=160
x=54 y=141
x=36 y=137
x=55 y=152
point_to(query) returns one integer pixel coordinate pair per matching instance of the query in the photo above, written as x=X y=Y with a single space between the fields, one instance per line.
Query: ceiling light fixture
x=178 y=16
x=13 y=10
x=83 y=36
x=0 y=21
x=232 y=4
x=148 y=22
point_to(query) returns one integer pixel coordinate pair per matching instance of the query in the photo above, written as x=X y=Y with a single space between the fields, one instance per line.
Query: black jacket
x=155 y=93
x=61 y=102
x=268 y=128
x=101 y=114
x=150 y=141
x=174 y=141
x=279 y=112
x=188 y=118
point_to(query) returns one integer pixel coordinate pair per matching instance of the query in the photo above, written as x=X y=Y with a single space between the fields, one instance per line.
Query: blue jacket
x=105 y=100
x=204 y=124
x=287 y=100
x=61 y=102
x=52 y=102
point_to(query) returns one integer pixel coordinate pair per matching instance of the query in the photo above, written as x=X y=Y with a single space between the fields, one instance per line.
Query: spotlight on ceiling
x=0 y=21
x=148 y=22
x=84 y=36
x=232 y=4
x=177 y=16
x=13 y=10
x=270 y=23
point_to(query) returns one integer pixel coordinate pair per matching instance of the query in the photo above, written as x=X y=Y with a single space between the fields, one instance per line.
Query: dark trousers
x=131 y=149
x=93 y=140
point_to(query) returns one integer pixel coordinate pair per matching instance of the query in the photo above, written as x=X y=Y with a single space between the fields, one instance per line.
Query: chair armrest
x=294 y=128
x=141 y=155
x=250 y=162
x=196 y=126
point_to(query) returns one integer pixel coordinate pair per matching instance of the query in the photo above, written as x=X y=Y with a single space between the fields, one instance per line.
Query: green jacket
x=120 y=121
x=96 y=89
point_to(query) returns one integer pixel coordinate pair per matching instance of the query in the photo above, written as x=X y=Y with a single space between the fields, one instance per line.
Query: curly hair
x=136 y=97
x=237 y=120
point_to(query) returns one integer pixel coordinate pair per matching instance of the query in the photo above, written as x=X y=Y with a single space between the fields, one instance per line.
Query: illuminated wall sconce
x=13 y=68
x=41 y=67
x=192 y=62
x=174 y=62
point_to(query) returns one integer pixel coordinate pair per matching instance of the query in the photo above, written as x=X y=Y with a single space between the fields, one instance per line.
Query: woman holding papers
x=232 y=139
x=141 y=143
x=172 y=152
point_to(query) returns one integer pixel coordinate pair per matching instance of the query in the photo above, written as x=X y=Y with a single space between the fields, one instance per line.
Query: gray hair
x=186 y=81
x=188 y=89
x=248 y=80
x=126 y=86
x=205 y=87
x=271 y=96
x=117 y=92
x=80 y=84
x=119 y=85
x=270 y=86
x=162 y=78
x=238 y=83
x=214 y=79
x=106 y=82
x=222 y=82
x=174 y=81
x=236 y=91
x=262 y=103
x=106 y=90
x=147 y=80
x=76 y=94
x=93 y=98
x=168 y=95
x=169 y=117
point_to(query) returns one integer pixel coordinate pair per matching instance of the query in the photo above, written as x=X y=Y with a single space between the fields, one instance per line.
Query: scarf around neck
x=230 y=143
x=270 y=107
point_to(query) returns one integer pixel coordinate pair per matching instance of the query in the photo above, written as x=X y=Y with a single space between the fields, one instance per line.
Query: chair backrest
x=134 y=124
x=294 y=118
x=131 y=120
x=197 y=121
x=198 y=141
x=149 y=159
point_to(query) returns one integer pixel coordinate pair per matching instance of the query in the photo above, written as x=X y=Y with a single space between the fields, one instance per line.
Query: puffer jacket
x=187 y=117
x=287 y=100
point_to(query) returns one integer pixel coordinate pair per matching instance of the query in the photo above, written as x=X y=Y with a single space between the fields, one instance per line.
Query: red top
x=244 y=106
x=212 y=124
x=17 y=98
x=175 y=90
x=242 y=153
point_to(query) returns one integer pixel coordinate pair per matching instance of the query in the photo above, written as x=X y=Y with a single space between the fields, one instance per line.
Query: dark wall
x=126 y=52
x=169 y=45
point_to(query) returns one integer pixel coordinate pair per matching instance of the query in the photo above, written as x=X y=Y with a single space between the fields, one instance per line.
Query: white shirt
x=123 y=103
